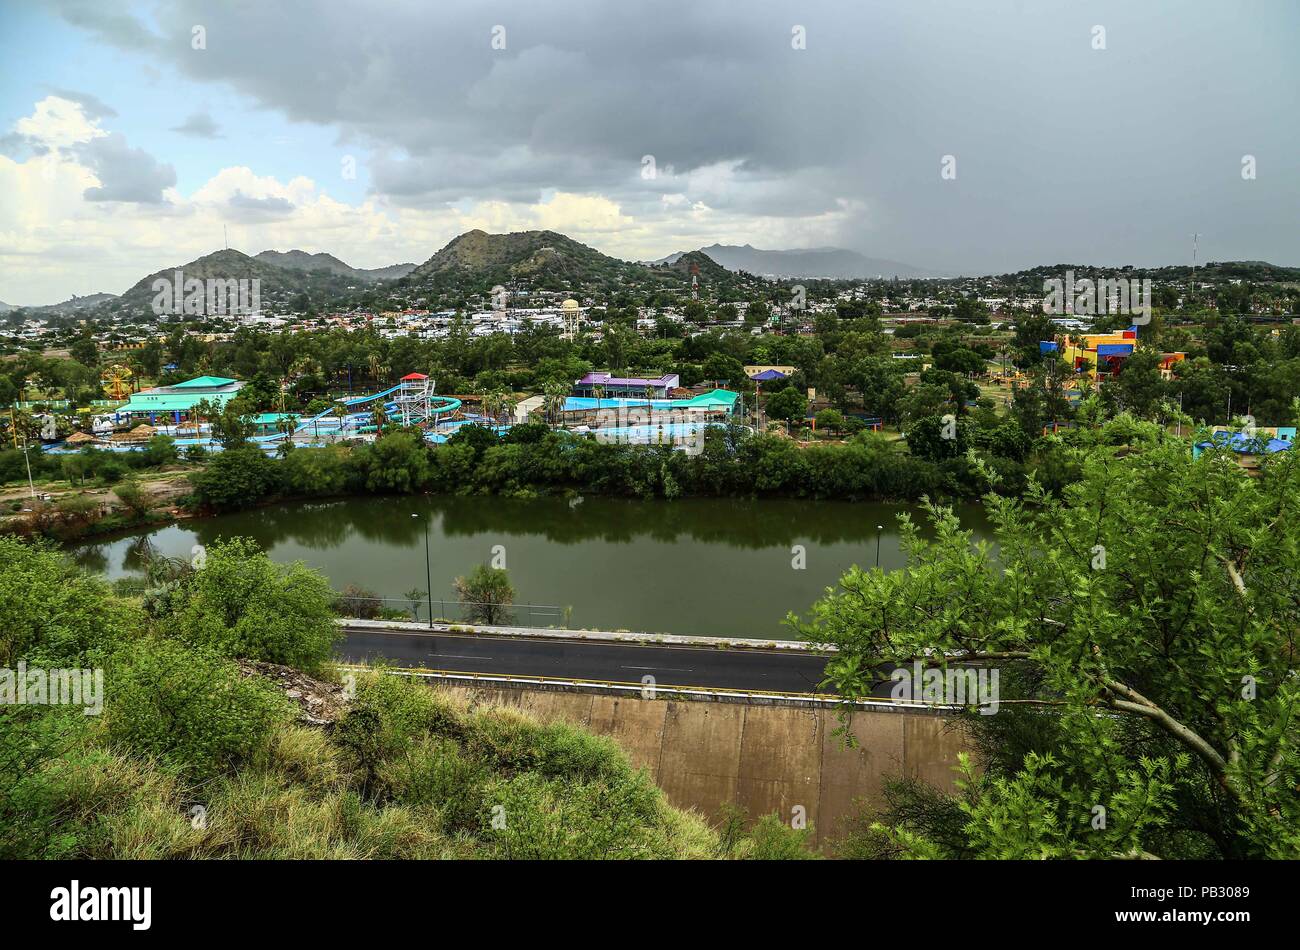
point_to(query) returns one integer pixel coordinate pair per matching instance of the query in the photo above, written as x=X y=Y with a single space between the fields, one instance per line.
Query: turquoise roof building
x=182 y=397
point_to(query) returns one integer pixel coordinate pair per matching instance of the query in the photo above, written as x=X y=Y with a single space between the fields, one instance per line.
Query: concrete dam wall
x=763 y=758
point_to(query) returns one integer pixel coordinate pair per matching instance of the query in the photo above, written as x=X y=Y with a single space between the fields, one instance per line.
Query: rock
x=319 y=703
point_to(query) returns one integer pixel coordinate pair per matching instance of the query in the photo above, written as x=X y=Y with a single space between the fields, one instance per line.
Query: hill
x=277 y=285
x=302 y=260
x=833 y=263
x=71 y=305
x=476 y=261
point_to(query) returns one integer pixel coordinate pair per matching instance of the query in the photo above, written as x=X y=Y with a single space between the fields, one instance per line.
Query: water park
x=177 y=411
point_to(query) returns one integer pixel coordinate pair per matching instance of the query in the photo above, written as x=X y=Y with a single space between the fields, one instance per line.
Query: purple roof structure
x=667 y=381
x=767 y=375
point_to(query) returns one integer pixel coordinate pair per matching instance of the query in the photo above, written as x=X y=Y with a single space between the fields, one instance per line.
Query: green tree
x=137 y=499
x=235 y=478
x=786 y=403
x=486 y=594
x=240 y=603
x=1146 y=618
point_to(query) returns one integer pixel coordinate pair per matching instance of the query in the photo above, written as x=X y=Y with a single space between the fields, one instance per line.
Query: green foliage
x=1147 y=611
x=243 y=604
x=235 y=479
x=192 y=709
x=486 y=594
x=135 y=497
x=51 y=613
x=786 y=403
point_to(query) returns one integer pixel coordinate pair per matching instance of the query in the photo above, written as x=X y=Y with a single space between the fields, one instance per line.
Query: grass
x=409 y=772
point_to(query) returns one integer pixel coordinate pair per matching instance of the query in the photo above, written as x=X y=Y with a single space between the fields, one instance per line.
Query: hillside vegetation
x=226 y=733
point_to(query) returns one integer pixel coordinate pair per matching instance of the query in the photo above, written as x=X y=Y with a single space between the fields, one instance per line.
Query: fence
x=367 y=606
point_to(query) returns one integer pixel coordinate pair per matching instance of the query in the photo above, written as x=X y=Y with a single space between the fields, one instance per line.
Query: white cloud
x=59 y=123
x=55 y=242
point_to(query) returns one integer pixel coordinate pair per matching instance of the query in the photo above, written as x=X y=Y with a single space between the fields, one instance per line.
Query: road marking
x=661 y=669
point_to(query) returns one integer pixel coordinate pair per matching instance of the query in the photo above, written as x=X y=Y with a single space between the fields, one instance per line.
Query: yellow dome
x=569 y=304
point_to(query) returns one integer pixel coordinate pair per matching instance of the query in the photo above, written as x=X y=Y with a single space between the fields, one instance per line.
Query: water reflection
x=701 y=566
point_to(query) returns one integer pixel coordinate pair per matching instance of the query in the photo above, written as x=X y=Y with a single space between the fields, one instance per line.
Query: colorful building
x=1249 y=448
x=178 y=399
x=1101 y=356
x=616 y=386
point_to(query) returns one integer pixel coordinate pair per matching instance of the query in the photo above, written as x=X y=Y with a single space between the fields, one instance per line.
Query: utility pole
x=30 y=484
x=428 y=573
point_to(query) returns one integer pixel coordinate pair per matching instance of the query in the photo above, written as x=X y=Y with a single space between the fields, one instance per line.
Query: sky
x=952 y=135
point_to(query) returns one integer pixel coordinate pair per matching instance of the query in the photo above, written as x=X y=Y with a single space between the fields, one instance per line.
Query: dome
x=569 y=304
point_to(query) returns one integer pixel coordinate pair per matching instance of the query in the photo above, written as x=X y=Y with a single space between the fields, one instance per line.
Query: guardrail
x=719 y=694
x=603 y=636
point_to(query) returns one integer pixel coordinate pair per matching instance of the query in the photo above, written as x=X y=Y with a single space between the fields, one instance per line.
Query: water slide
x=438 y=406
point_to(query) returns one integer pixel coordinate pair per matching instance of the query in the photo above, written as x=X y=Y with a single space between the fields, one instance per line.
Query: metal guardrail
x=816 y=699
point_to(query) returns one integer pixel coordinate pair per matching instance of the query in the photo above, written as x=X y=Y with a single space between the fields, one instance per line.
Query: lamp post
x=879 y=529
x=428 y=572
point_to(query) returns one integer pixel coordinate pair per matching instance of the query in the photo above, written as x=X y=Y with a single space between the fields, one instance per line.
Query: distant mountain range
x=301 y=260
x=834 y=263
x=70 y=305
x=472 y=263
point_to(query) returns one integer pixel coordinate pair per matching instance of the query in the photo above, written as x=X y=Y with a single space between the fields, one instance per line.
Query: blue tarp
x=767 y=375
x=1240 y=442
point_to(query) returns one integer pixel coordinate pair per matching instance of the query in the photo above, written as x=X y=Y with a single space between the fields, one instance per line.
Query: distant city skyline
x=965 y=139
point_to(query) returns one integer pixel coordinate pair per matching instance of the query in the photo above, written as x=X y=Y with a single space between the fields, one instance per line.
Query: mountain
x=277 y=285
x=827 y=262
x=476 y=261
x=301 y=260
x=694 y=264
x=71 y=305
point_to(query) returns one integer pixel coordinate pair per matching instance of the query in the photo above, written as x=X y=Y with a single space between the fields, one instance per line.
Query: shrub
x=134 y=496
x=236 y=478
x=244 y=604
x=359 y=602
x=51 y=613
x=189 y=707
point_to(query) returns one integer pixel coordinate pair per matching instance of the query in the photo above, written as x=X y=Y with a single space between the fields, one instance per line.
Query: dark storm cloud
x=91 y=106
x=260 y=207
x=124 y=173
x=1063 y=151
x=199 y=125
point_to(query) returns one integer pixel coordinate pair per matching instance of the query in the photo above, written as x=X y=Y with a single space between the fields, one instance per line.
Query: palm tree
x=493 y=402
x=554 y=399
x=599 y=392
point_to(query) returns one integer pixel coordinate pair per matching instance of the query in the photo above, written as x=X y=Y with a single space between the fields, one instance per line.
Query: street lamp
x=428 y=572
x=879 y=529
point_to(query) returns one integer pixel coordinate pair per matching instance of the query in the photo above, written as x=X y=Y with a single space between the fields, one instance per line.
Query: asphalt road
x=751 y=670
